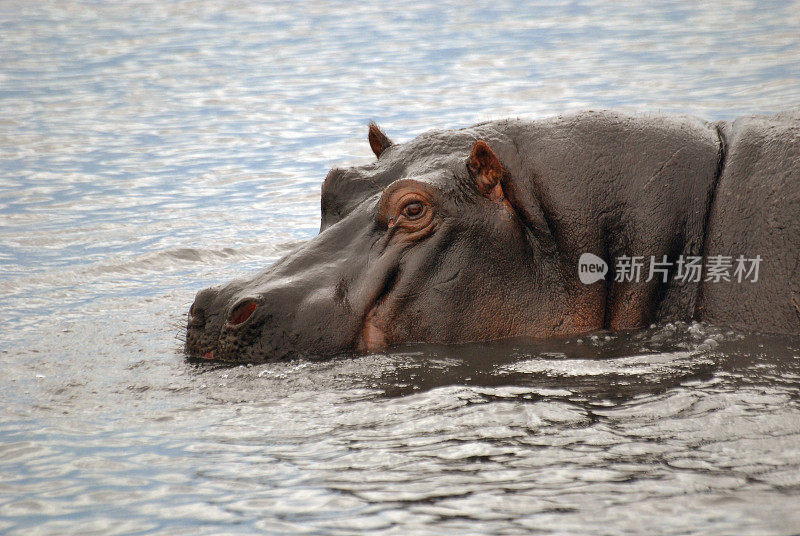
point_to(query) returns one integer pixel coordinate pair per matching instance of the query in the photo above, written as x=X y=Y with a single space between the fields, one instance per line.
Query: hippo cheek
x=371 y=298
x=406 y=317
x=375 y=331
x=373 y=334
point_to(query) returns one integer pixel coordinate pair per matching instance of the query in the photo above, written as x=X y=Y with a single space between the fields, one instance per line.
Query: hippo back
x=756 y=212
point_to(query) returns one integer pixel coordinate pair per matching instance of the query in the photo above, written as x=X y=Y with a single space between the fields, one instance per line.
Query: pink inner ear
x=487 y=168
x=496 y=193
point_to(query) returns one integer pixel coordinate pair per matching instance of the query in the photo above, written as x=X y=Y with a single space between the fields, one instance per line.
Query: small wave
x=637 y=365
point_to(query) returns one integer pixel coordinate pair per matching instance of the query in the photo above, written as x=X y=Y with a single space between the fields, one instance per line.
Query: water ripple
x=149 y=149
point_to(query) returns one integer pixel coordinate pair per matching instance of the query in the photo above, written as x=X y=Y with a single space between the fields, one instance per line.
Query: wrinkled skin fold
x=475 y=234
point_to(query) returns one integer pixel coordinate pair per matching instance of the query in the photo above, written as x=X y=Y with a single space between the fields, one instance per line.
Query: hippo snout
x=237 y=314
x=268 y=317
x=199 y=309
x=216 y=324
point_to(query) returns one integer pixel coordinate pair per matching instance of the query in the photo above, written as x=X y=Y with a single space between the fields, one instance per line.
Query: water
x=150 y=149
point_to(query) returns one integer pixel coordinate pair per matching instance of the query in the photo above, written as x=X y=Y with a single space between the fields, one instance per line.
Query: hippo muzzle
x=311 y=302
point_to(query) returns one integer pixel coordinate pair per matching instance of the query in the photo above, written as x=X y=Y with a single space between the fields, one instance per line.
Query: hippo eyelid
x=423 y=192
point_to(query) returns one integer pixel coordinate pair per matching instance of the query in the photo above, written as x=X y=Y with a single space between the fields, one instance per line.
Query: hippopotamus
x=478 y=234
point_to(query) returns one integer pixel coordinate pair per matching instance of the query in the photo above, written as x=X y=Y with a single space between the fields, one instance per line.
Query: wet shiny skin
x=153 y=149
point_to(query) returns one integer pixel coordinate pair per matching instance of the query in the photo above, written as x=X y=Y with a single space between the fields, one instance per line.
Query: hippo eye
x=413 y=210
x=409 y=209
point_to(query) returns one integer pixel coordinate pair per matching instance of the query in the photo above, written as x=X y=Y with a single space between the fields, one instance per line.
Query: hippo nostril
x=242 y=312
x=197 y=318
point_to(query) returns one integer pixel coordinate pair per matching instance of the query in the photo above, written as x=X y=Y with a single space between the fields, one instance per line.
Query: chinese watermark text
x=690 y=268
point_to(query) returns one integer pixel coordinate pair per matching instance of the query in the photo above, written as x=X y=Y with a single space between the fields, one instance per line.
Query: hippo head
x=435 y=241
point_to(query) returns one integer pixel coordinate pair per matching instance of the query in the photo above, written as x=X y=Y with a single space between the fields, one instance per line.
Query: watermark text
x=690 y=268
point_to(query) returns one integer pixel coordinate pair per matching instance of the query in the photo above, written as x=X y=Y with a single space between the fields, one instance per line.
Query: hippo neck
x=722 y=130
x=620 y=186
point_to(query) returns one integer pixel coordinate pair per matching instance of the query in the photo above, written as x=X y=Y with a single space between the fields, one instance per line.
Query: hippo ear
x=486 y=169
x=378 y=140
x=494 y=181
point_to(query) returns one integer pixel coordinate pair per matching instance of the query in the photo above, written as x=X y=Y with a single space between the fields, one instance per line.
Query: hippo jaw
x=444 y=254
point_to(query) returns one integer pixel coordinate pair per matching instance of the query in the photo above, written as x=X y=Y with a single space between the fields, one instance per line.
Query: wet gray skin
x=474 y=235
x=372 y=265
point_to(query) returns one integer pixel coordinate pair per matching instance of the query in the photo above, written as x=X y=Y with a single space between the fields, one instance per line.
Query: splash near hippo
x=478 y=234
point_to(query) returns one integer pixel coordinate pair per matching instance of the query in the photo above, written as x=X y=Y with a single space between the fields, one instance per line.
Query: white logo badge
x=591 y=268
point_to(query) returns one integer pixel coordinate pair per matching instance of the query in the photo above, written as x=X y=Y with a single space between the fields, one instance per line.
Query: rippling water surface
x=150 y=149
